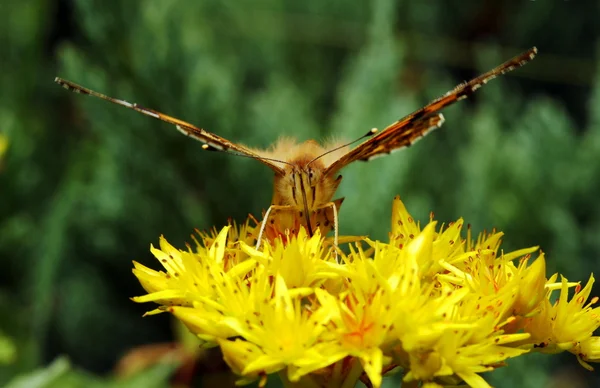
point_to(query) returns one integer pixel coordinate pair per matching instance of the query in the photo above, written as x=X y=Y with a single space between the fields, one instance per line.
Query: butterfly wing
x=396 y=136
x=409 y=129
x=211 y=141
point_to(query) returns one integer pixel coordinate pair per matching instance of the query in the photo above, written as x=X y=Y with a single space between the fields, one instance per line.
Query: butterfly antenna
x=208 y=147
x=371 y=132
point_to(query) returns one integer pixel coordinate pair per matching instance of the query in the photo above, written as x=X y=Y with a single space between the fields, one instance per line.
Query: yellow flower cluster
x=438 y=307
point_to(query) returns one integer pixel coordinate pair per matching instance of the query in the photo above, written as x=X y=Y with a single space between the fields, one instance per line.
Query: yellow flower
x=532 y=281
x=587 y=350
x=237 y=234
x=361 y=327
x=568 y=324
x=441 y=307
x=380 y=292
x=301 y=262
x=465 y=342
x=455 y=332
x=192 y=282
x=239 y=353
x=279 y=334
x=187 y=278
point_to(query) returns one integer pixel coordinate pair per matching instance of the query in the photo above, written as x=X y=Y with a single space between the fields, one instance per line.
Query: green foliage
x=60 y=374
x=7 y=350
x=86 y=186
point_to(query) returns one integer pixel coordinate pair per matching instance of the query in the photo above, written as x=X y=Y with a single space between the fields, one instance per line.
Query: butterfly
x=307 y=174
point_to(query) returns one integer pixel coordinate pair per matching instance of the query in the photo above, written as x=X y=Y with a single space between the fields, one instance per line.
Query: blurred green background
x=86 y=186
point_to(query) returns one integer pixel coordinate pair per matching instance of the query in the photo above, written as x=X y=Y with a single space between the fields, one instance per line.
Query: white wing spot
x=215 y=145
x=127 y=104
x=488 y=79
x=141 y=109
x=182 y=130
x=442 y=119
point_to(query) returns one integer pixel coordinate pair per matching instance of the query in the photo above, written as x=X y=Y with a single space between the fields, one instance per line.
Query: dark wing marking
x=410 y=128
x=210 y=140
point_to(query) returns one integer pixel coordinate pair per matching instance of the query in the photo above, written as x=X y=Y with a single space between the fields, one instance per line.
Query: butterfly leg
x=286 y=218
x=263 y=224
x=334 y=207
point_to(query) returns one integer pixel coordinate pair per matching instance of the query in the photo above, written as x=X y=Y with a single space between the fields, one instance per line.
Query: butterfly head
x=305 y=186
